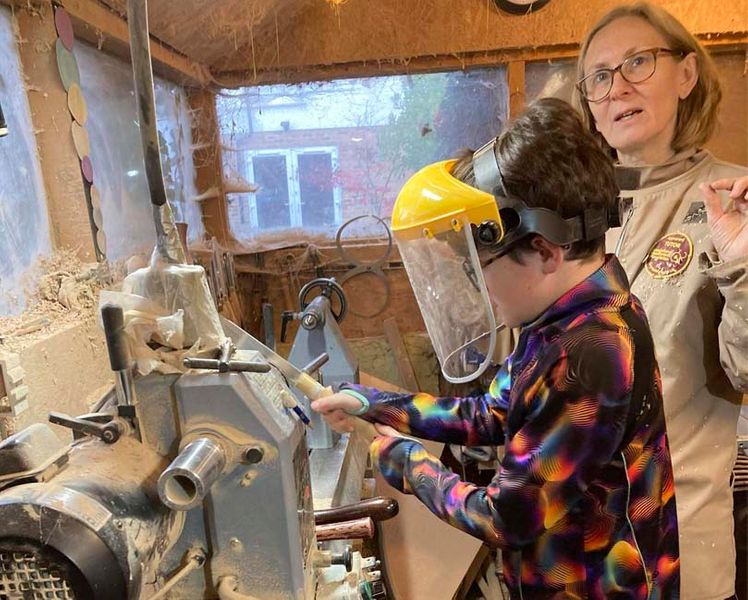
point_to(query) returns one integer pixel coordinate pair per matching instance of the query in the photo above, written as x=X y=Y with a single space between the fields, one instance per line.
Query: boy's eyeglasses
x=635 y=68
x=467 y=267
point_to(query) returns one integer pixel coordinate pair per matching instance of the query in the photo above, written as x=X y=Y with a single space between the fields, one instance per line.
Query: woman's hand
x=729 y=227
x=333 y=410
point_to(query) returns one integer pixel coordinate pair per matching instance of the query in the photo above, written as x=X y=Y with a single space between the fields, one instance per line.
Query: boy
x=583 y=504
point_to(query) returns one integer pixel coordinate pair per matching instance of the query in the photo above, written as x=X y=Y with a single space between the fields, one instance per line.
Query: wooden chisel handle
x=377 y=509
x=345 y=530
x=314 y=390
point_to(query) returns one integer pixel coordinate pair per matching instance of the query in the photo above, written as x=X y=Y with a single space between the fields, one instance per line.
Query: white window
x=295 y=188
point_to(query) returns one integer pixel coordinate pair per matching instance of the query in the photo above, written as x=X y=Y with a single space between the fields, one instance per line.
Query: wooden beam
x=206 y=139
x=516 y=82
x=716 y=42
x=100 y=26
x=402 y=360
x=104 y=28
x=412 y=66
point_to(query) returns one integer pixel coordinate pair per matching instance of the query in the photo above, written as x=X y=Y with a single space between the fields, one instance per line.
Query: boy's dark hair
x=548 y=159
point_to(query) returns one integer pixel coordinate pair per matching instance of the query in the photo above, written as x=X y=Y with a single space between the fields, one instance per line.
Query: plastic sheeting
x=117 y=155
x=169 y=314
x=24 y=228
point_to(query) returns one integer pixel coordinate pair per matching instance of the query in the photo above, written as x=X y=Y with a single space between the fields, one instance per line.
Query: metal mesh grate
x=24 y=576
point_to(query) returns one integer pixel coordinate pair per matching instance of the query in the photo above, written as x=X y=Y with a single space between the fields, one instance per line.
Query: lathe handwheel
x=329 y=287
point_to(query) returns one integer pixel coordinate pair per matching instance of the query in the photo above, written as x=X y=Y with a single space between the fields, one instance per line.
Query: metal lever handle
x=116 y=341
x=316 y=364
x=211 y=364
x=380 y=508
x=286 y=316
x=107 y=432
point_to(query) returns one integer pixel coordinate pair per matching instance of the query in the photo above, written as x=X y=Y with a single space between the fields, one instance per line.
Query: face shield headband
x=519 y=220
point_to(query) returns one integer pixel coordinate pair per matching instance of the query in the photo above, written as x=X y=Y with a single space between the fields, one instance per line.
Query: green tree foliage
x=408 y=143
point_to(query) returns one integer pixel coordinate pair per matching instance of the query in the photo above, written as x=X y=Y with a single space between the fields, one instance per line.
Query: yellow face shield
x=433 y=222
x=438 y=221
x=433 y=201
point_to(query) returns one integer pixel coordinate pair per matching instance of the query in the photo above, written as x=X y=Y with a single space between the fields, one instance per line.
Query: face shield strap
x=520 y=221
x=590 y=225
x=487 y=171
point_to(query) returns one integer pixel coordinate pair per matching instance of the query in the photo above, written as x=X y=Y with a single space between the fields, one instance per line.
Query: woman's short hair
x=697 y=114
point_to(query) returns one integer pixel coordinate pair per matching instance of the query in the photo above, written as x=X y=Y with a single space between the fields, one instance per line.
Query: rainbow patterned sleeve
x=469 y=421
x=570 y=431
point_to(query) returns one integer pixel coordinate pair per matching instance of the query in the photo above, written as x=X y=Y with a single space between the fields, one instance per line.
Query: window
x=313 y=156
x=24 y=229
x=296 y=188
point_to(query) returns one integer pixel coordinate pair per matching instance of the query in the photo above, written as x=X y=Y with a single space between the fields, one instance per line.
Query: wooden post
x=516 y=82
x=206 y=139
x=404 y=366
x=66 y=201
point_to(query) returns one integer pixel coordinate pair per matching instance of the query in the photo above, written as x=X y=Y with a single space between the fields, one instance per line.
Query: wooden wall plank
x=516 y=83
x=404 y=366
x=208 y=164
x=60 y=165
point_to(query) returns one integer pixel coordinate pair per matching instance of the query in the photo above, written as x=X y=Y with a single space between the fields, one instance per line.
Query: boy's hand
x=333 y=410
x=391 y=432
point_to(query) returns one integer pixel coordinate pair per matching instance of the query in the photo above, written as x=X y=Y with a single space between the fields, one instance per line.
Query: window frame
x=291 y=156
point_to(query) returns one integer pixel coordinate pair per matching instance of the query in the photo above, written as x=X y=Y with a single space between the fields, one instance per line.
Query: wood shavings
x=208 y=194
x=66 y=292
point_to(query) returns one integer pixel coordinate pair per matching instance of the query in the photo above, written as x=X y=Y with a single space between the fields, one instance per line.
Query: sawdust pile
x=66 y=292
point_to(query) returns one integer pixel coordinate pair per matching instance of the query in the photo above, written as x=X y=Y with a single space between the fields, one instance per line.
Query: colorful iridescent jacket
x=583 y=503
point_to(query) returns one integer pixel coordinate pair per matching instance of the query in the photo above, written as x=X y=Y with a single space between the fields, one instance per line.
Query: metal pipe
x=137 y=16
x=195 y=560
x=233 y=365
x=316 y=364
x=125 y=388
x=188 y=479
x=167 y=238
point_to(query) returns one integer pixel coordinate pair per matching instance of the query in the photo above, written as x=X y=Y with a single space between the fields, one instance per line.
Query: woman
x=650 y=91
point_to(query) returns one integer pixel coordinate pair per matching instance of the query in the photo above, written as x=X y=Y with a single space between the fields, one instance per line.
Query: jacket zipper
x=625 y=228
x=631 y=526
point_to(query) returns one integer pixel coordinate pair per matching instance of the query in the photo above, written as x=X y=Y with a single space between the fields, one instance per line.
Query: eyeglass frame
x=618 y=69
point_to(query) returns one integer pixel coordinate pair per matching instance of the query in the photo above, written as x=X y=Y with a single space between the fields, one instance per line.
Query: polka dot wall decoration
x=70 y=79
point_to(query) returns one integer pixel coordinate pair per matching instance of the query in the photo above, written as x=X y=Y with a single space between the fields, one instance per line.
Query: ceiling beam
x=103 y=28
x=718 y=42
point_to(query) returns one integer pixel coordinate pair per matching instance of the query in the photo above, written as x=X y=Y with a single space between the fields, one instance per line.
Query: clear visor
x=447 y=280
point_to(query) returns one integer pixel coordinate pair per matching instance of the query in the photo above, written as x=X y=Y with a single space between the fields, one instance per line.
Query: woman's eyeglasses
x=636 y=68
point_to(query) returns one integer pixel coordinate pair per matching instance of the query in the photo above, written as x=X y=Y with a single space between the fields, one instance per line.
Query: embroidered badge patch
x=670 y=256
